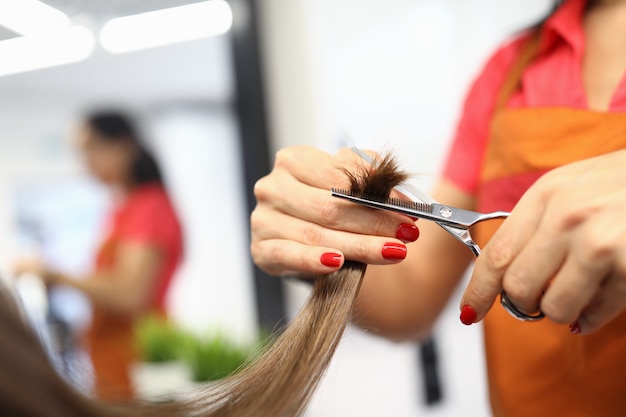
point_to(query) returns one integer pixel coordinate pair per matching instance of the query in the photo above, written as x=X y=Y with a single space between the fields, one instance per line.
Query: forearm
x=105 y=291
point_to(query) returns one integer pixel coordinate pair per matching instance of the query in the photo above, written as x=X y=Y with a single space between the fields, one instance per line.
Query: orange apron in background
x=110 y=343
x=540 y=368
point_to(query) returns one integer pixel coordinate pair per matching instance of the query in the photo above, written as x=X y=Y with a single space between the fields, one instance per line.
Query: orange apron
x=541 y=369
x=110 y=343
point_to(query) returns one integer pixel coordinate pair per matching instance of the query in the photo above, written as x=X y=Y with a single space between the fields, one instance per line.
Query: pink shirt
x=553 y=79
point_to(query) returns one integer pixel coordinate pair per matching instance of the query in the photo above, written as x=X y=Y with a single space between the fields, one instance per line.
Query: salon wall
x=386 y=75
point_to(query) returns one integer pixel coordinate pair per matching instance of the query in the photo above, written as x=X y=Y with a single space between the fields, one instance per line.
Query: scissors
x=453 y=220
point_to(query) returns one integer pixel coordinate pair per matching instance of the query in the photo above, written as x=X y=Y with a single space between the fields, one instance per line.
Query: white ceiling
x=99 y=11
x=198 y=71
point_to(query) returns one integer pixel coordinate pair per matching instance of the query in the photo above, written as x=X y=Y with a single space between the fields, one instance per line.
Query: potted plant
x=215 y=357
x=161 y=373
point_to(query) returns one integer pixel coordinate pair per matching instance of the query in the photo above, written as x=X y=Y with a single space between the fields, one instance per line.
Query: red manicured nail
x=468 y=315
x=394 y=251
x=331 y=259
x=575 y=328
x=407 y=232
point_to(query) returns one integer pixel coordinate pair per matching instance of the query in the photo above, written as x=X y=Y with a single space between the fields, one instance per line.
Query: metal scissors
x=453 y=220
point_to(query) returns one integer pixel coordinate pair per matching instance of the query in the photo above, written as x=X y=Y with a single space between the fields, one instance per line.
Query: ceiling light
x=28 y=17
x=166 y=26
x=45 y=50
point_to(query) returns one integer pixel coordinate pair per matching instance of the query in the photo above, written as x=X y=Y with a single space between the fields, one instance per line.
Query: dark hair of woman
x=114 y=126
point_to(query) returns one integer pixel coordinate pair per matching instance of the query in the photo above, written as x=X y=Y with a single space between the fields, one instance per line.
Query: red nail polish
x=331 y=259
x=575 y=328
x=394 y=251
x=407 y=232
x=468 y=315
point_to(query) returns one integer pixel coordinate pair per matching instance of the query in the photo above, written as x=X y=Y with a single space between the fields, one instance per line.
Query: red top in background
x=146 y=216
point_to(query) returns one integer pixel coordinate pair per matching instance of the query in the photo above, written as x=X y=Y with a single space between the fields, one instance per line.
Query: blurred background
x=218 y=89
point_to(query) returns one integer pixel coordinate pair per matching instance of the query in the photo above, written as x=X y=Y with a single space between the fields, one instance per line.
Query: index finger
x=486 y=281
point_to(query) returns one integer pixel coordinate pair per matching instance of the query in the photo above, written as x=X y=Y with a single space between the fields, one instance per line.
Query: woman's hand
x=563 y=249
x=36 y=267
x=298 y=227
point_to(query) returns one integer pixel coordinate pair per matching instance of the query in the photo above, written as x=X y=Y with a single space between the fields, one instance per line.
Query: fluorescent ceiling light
x=45 y=50
x=166 y=26
x=28 y=17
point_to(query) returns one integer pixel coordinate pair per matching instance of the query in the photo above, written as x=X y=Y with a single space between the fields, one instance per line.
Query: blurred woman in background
x=138 y=255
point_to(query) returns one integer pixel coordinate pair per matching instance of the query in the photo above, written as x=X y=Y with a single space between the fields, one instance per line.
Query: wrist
x=53 y=277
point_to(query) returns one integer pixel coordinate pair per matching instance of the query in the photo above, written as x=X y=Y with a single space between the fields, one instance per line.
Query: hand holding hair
x=298 y=229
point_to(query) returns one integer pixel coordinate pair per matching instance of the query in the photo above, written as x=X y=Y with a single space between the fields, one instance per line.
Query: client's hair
x=279 y=383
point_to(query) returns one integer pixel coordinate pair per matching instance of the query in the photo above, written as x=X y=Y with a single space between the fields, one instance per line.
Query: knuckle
x=498 y=254
x=288 y=157
x=328 y=211
x=557 y=312
x=380 y=224
x=345 y=154
x=338 y=177
x=259 y=257
x=312 y=234
x=598 y=245
x=571 y=218
x=361 y=250
x=283 y=157
x=517 y=289
x=261 y=189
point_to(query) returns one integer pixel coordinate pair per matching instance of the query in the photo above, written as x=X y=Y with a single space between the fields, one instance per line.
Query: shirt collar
x=565 y=25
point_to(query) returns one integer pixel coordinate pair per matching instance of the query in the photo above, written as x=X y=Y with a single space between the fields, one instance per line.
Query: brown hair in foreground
x=278 y=383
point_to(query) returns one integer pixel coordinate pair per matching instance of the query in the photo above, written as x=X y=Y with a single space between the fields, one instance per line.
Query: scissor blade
x=408 y=208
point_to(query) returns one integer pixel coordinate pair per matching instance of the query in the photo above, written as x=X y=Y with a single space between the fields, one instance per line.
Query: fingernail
x=407 y=232
x=575 y=328
x=468 y=315
x=394 y=251
x=331 y=259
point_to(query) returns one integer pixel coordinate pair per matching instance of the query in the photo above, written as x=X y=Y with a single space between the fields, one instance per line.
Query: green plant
x=215 y=357
x=210 y=358
x=159 y=340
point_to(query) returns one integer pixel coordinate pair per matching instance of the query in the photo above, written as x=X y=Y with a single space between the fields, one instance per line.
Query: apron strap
x=514 y=78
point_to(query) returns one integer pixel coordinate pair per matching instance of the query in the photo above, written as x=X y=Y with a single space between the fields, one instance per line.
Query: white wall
x=389 y=74
x=199 y=147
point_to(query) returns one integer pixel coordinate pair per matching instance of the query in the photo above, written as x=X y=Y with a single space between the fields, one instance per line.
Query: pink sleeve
x=463 y=164
x=147 y=221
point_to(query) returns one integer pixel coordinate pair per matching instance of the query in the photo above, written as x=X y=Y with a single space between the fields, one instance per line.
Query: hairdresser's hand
x=298 y=227
x=567 y=238
x=35 y=266
x=29 y=265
